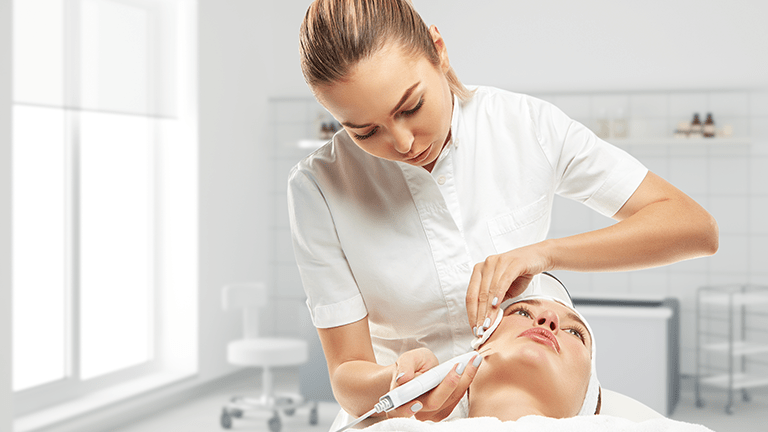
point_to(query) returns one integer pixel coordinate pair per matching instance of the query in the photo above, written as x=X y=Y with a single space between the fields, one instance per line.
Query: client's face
x=541 y=352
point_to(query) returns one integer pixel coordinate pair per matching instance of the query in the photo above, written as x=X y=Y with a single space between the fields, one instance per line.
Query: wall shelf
x=621 y=142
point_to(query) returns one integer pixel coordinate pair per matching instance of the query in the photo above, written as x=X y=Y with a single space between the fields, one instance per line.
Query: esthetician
x=432 y=205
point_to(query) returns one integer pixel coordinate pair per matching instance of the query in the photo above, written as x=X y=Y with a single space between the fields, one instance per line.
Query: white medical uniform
x=397 y=243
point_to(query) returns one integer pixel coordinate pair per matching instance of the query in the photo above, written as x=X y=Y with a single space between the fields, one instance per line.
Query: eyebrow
x=405 y=97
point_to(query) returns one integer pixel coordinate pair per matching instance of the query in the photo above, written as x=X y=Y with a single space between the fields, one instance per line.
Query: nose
x=548 y=319
x=403 y=139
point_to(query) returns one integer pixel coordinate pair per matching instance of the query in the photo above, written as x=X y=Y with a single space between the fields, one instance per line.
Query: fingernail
x=495 y=300
x=477 y=361
x=474 y=331
x=399 y=376
x=460 y=368
x=480 y=332
x=416 y=407
x=487 y=322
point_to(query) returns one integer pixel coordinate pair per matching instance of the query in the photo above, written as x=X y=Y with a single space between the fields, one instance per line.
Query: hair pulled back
x=336 y=34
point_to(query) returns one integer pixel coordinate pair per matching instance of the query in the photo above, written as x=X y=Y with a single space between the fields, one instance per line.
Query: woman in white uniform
x=432 y=205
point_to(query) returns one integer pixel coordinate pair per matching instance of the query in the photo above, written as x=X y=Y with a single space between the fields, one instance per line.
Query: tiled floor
x=202 y=415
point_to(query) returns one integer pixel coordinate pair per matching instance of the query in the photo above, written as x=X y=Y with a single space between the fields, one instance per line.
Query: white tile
x=684 y=105
x=731 y=257
x=759 y=216
x=758 y=254
x=615 y=283
x=651 y=281
x=684 y=286
x=758 y=172
x=649 y=105
x=289 y=134
x=728 y=176
x=758 y=103
x=612 y=105
x=729 y=276
x=688 y=150
x=730 y=213
x=729 y=103
x=658 y=164
x=644 y=150
x=575 y=106
x=649 y=128
x=689 y=174
x=577 y=283
x=570 y=216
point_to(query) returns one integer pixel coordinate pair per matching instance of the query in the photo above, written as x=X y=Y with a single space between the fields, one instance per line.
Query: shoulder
x=498 y=102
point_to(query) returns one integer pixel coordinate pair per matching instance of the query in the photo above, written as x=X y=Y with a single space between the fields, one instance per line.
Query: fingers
x=487 y=288
x=440 y=401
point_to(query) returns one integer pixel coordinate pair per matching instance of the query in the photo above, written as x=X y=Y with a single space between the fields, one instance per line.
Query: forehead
x=374 y=85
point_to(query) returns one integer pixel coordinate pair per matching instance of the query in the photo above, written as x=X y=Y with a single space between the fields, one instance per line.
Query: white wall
x=587 y=45
x=6 y=397
x=234 y=172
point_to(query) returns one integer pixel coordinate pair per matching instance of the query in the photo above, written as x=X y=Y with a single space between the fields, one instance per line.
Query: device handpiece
x=420 y=384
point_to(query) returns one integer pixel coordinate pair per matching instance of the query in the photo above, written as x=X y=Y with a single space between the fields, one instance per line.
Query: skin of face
x=395 y=105
x=537 y=363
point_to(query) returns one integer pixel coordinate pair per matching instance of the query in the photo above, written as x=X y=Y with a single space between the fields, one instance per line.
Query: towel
x=533 y=423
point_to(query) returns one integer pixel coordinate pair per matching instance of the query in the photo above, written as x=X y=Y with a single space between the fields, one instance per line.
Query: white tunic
x=397 y=243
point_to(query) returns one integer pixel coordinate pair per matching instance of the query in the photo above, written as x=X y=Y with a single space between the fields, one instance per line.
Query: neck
x=506 y=404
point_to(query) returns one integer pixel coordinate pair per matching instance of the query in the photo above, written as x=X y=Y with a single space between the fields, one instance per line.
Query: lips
x=419 y=157
x=542 y=336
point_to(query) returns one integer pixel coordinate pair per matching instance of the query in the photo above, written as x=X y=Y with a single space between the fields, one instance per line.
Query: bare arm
x=658 y=225
x=357 y=380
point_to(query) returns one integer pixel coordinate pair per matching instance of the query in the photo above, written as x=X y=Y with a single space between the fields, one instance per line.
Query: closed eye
x=413 y=110
x=368 y=135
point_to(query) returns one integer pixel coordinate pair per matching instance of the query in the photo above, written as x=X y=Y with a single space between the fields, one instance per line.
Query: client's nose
x=549 y=319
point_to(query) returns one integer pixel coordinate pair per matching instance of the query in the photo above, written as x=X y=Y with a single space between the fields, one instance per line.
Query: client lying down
x=538 y=373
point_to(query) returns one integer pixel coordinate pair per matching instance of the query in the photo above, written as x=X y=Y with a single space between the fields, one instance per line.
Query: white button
x=456 y=143
x=441 y=180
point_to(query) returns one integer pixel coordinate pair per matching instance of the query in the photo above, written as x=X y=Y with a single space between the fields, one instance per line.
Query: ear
x=442 y=52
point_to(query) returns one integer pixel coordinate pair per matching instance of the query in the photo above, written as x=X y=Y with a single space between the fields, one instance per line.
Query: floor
x=202 y=414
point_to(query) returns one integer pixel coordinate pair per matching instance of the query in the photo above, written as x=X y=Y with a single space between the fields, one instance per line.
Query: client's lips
x=543 y=336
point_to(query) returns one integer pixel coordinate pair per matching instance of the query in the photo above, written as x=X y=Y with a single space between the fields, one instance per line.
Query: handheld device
x=414 y=388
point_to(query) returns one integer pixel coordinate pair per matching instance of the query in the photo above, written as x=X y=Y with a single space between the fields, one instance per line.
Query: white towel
x=532 y=423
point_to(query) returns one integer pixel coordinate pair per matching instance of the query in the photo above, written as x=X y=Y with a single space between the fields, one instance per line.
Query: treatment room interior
x=242 y=116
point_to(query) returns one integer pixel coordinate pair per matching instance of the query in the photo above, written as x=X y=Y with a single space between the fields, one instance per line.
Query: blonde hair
x=336 y=34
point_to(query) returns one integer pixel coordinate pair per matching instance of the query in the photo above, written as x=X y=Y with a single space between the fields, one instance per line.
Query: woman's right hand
x=438 y=403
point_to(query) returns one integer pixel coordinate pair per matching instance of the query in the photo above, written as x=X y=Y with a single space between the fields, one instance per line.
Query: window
x=103 y=163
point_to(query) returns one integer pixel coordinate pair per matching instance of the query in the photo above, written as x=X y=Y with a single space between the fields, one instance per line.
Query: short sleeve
x=587 y=169
x=333 y=297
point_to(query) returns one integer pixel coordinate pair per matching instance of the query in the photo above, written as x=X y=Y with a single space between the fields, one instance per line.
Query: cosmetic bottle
x=619 y=127
x=696 y=129
x=709 y=127
x=603 y=128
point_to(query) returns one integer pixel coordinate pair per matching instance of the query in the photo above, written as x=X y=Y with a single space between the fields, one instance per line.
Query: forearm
x=358 y=385
x=660 y=233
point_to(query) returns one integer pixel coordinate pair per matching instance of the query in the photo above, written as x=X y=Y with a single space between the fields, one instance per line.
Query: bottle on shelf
x=619 y=127
x=709 y=127
x=696 y=127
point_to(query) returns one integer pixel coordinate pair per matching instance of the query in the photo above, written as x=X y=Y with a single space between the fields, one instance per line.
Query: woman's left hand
x=502 y=276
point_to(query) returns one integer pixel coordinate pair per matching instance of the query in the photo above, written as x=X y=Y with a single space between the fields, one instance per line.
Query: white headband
x=547 y=287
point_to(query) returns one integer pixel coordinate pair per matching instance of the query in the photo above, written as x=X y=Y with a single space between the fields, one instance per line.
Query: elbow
x=710 y=236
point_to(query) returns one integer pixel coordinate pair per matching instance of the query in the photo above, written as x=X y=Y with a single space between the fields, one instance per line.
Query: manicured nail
x=495 y=300
x=399 y=376
x=474 y=331
x=460 y=368
x=480 y=332
x=487 y=323
x=416 y=407
x=477 y=361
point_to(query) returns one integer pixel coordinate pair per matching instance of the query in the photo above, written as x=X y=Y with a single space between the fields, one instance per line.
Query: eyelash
x=407 y=113
x=579 y=331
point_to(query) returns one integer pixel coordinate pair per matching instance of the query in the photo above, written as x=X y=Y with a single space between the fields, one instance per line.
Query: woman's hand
x=439 y=402
x=499 y=277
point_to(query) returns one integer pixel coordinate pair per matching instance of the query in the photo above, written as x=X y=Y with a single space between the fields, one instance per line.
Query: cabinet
x=727 y=339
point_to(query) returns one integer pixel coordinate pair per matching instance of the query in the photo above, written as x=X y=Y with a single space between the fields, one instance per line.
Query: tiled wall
x=729 y=179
